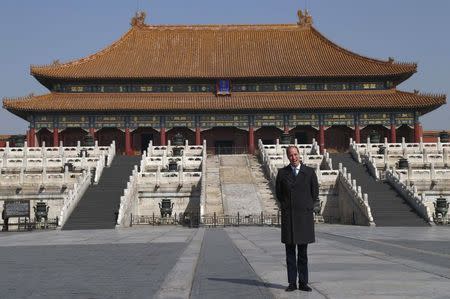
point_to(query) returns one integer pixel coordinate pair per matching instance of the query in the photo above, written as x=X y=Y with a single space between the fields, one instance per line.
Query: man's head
x=293 y=155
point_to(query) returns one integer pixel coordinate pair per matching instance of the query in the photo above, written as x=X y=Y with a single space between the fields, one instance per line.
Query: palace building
x=228 y=84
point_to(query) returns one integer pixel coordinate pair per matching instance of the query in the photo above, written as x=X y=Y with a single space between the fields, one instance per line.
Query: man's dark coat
x=297 y=196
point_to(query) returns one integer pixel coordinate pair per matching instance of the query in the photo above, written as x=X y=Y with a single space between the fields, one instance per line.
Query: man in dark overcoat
x=297 y=190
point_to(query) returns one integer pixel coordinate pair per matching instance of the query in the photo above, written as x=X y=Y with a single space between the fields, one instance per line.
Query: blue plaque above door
x=223 y=87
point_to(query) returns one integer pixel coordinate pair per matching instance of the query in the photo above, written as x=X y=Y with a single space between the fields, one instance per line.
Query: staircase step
x=96 y=209
x=387 y=206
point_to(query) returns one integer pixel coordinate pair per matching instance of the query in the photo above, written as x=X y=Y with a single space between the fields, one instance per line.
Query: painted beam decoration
x=273 y=120
x=180 y=121
x=110 y=121
x=222 y=87
x=404 y=118
x=304 y=119
x=383 y=119
x=219 y=120
x=74 y=121
x=346 y=119
x=144 y=121
x=43 y=121
x=223 y=120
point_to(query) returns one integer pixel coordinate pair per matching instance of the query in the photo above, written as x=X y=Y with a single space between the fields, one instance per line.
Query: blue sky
x=38 y=32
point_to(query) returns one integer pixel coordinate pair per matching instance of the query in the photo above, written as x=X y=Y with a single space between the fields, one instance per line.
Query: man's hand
x=316 y=208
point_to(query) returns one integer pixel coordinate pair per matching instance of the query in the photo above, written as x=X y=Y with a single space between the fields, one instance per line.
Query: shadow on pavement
x=250 y=282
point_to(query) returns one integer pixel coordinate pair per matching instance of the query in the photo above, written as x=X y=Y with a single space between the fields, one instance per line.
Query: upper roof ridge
x=220 y=26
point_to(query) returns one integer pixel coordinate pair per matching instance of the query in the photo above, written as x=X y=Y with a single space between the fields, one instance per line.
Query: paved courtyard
x=244 y=262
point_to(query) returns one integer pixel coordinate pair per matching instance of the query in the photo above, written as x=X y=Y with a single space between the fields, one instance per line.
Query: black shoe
x=291 y=287
x=304 y=287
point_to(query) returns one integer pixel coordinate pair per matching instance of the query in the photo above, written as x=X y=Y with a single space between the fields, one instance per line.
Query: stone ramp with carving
x=213 y=196
x=239 y=192
x=388 y=208
x=97 y=207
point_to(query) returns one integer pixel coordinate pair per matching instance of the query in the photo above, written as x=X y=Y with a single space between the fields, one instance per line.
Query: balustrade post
x=445 y=156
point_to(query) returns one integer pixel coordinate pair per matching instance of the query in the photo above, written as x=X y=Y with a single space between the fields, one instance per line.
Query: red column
x=286 y=129
x=128 y=148
x=198 y=139
x=393 y=133
x=55 y=137
x=32 y=142
x=357 y=134
x=417 y=131
x=163 y=136
x=251 y=140
x=92 y=132
x=321 y=138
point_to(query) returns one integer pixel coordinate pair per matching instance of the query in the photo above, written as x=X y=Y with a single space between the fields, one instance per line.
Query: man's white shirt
x=297 y=169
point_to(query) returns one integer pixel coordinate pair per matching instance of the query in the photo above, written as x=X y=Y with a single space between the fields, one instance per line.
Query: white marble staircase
x=262 y=185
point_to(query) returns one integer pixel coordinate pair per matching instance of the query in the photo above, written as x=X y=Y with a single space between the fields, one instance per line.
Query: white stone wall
x=147 y=206
x=55 y=206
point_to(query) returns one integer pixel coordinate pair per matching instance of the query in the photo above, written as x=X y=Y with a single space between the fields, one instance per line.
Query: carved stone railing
x=328 y=162
x=272 y=163
x=431 y=175
x=159 y=178
x=167 y=150
x=372 y=167
x=99 y=166
x=359 y=200
x=73 y=197
x=111 y=153
x=44 y=179
x=152 y=163
x=411 y=195
x=355 y=151
x=128 y=201
x=43 y=161
x=399 y=148
x=203 y=182
x=56 y=152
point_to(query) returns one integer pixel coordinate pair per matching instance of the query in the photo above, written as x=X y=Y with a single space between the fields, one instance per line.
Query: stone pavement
x=175 y=262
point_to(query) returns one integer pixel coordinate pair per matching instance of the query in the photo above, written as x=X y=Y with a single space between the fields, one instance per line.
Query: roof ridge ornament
x=304 y=18
x=138 y=19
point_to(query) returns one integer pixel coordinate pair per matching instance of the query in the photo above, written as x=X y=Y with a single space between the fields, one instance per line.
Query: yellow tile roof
x=222 y=51
x=238 y=101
